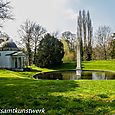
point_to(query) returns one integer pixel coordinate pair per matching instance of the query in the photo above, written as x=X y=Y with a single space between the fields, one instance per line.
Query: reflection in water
x=97 y=76
x=71 y=75
x=78 y=73
x=50 y=76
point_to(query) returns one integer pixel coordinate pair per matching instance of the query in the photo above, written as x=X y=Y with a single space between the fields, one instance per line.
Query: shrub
x=50 y=52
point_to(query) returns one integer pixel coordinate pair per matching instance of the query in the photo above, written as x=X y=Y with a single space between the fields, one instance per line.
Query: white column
x=78 y=57
x=78 y=68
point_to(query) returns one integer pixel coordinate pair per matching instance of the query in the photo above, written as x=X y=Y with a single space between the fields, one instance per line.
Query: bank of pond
x=71 y=75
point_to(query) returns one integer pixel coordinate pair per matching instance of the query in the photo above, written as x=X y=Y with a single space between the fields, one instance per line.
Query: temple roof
x=19 y=53
x=9 y=46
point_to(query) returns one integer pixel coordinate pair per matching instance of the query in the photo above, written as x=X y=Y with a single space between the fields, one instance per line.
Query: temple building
x=11 y=57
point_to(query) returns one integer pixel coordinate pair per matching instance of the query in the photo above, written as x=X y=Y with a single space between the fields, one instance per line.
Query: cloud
x=70 y=14
x=45 y=12
x=52 y=14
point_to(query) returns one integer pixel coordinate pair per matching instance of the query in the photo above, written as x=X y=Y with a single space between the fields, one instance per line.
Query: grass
x=25 y=74
x=66 y=66
x=107 y=65
x=58 y=97
x=82 y=97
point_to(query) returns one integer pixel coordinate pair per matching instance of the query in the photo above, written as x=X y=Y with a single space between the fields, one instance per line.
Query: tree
x=102 y=36
x=111 y=47
x=38 y=33
x=84 y=34
x=50 y=52
x=68 y=54
x=3 y=37
x=26 y=34
x=5 y=13
x=70 y=38
x=80 y=32
x=89 y=37
x=112 y=51
x=5 y=10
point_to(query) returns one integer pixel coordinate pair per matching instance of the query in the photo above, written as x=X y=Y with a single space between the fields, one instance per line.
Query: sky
x=59 y=15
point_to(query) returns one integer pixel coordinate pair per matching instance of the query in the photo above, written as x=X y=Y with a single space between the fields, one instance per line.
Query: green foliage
x=69 y=55
x=50 y=52
x=70 y=39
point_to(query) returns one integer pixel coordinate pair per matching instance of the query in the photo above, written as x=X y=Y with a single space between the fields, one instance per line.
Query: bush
x=50 y=52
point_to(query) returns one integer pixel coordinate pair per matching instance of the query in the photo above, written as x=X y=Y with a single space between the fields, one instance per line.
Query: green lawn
x=19 y=90
x=99 y=65
x=107 y=65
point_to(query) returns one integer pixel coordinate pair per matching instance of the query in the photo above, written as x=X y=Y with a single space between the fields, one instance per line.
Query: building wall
x=5 y=61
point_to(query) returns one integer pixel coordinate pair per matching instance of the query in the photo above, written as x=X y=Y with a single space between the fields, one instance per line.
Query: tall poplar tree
x=84 y=33
x=89 y=37
x=79 y=32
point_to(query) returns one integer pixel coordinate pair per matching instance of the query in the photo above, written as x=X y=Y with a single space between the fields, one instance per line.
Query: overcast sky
x=59 y=15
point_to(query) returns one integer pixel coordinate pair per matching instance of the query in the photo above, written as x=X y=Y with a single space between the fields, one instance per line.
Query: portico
x=18 y=60
x=11 y=57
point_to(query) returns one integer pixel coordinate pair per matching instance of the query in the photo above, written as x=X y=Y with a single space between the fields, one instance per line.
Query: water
x=71 y=75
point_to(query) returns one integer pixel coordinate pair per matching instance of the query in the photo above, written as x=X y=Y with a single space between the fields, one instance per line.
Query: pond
x=71 y=75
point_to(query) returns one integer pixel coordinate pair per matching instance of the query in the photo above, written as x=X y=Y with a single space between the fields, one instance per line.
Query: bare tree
x=5 y=11
x=38 y=33
x=102 y=36
x=111 y=47
x=55 y=34
x=70 y=38
x=26 y=34
x=3 y=37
